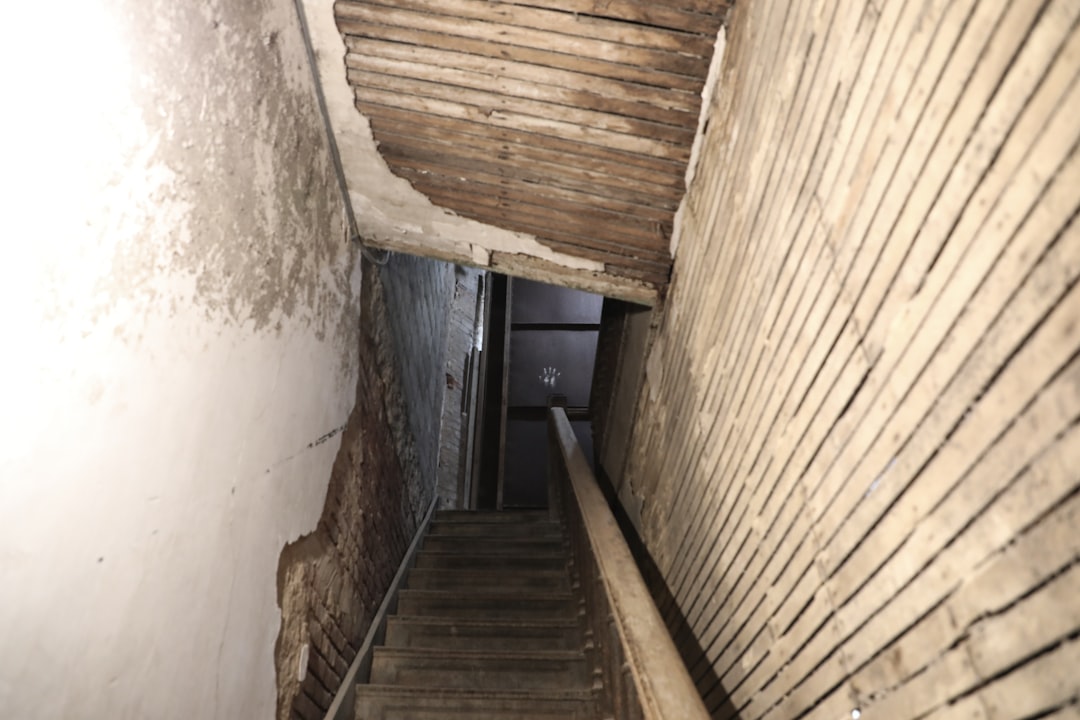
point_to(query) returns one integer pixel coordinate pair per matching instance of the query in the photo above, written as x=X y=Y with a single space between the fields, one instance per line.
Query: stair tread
x=511 y=595
x=472 y=561
x=523 y=539
x=493 y=516
x=491 y=634
x=487 y=627
x=467 y=655
x=495 y=532
x=504 y=605
x=516 y=538
x=456 y=560
x=494 y=556
x=531 y=524
x=553 y=623
x=493 y=546
x=510 y=579
x=406 y=706
x=481 y=670
x=497 y=527
x=422 y=690
x=468 y=572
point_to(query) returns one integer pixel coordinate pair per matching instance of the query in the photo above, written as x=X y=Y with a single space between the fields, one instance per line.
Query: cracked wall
x=330 y=582
x=180 y=307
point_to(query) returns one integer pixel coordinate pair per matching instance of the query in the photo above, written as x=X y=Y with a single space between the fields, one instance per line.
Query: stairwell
x=488 y=625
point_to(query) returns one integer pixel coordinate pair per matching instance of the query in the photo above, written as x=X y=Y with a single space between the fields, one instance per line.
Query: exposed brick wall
x=418 y=298
x=330 y=583
x=462 y=327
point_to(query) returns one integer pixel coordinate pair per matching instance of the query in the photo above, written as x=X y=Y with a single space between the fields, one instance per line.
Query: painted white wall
x=175 y=342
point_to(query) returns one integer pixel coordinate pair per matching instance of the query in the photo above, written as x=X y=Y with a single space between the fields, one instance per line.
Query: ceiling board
x=571 y=120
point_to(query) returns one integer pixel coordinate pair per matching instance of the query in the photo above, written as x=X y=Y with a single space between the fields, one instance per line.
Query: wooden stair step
x=506 y=579
x=487 y=605
x=527 y=531
x=492 y=516
x=490 y=561
x=480 y=669
x=493 y=546
x=486 y=627
x=395 y=702
x=466 y=634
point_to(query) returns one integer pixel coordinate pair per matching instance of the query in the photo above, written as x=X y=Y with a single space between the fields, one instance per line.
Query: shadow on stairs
x=488 y=626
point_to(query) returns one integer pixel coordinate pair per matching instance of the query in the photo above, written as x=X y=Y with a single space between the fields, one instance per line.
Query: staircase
x=487 y=626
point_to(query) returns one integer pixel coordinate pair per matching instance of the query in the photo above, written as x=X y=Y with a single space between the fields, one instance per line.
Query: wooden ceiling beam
x=463 y=159
x=540 y=165
x=601 y=159
x=495 y=47
x=439 y=67
x=622 y=234
x=541 y=127
x=602 y=34
x=702 y=17
x=610 y=87
x=574 y=46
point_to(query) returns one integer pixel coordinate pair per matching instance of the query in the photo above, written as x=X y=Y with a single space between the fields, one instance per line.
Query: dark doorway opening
x=541 y=343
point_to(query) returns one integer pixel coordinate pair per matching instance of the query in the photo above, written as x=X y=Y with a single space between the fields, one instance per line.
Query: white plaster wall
x=178 y=318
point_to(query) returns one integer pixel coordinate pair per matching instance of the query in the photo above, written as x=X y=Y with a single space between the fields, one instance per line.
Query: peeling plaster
x=180 y=308
x=391 y=214
x=708 y=97
x=388 y=207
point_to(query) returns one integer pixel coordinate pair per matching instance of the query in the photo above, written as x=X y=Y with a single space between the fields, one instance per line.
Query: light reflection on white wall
x=70 y=132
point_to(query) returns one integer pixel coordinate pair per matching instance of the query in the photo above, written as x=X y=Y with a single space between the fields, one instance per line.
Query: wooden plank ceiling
x=571 y=120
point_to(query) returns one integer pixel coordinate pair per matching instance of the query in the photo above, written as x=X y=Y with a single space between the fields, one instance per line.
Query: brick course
x=330 y=582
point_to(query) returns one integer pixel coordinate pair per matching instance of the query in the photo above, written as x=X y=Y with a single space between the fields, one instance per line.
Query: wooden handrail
x=639 y=644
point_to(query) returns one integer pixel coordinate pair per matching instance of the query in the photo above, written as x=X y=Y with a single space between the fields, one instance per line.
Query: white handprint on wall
x=549 y=376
